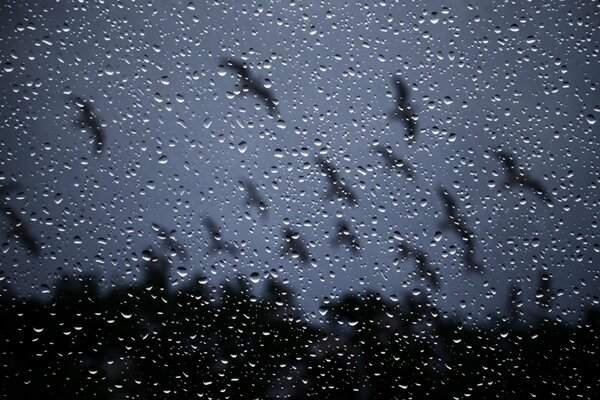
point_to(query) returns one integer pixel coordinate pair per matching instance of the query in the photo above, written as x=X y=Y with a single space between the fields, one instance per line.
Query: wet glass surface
x=286 y=200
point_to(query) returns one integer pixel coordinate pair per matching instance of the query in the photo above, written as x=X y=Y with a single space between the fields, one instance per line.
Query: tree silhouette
x=149 y=341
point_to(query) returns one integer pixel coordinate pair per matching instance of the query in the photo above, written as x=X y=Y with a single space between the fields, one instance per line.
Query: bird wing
x=507 y=161
x=537 y=188
x=214 y=232
x=302 y=251
x=267 y=96
x=328 y=170
x=348 y=194
x=347 y=237
x=238 y=67
x=99 y=136
x=408 y=170
x=254 y=198
x=449 y=204
x=411 y=128
x=401 y=92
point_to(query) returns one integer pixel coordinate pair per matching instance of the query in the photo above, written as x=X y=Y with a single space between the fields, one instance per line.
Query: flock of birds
x=293 y=245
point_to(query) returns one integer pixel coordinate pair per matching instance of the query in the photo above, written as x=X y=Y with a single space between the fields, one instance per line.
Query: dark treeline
x=147 y=341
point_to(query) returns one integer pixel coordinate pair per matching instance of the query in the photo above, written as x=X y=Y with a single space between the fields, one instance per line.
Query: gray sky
x=523 y=78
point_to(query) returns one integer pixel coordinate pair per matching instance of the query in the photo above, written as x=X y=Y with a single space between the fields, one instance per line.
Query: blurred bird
x=169 y=243
x=336 y=187
x=217 y=243
x=87 y=120
x=455 y=222
x=345 y=236
x=293 y=245
x=517 y=177
x=397 y=164
x=249 y=84
x=423 y=269
x=403 y=110
x=18 y=228
x=254 y=198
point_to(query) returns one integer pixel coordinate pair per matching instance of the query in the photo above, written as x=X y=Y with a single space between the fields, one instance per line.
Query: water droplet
x=255 y=277
x=590 y=119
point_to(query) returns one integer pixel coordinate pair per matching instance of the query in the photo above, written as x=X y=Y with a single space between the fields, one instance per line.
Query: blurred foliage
x=145 y=341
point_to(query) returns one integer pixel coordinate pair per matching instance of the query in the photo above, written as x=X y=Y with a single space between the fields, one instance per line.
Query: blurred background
x=181 y=144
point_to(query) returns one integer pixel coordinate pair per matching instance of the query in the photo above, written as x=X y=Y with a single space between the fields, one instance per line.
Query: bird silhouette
x=403 y=110
x=337 y=189
x=345 y=236
x=217 y=243
x=88 y=120
x=293 y=245
x=456 y=222
x=18 y=228
x=169 y=243
x=421 y=260
x=254 y=198
x=517 y=177
x=396 y=164
x=249 y=84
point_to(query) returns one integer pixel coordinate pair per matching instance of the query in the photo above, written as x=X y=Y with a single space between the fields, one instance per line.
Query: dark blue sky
x=523 y=78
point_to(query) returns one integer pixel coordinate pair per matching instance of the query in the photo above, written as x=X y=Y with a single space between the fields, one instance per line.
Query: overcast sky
x=522 y=78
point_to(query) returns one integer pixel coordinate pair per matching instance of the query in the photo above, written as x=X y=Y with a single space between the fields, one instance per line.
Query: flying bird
x=250 y=84
x=456 y=222
x=169 y=243
x=396 y=164
x=345 y=236
x=217 y=242
x=423 y=268
x=517 y=177
x=88 y=120
x=18 y=228
x=337 y=189
x=293 y=245
x=254 y=198
x=403 y=110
